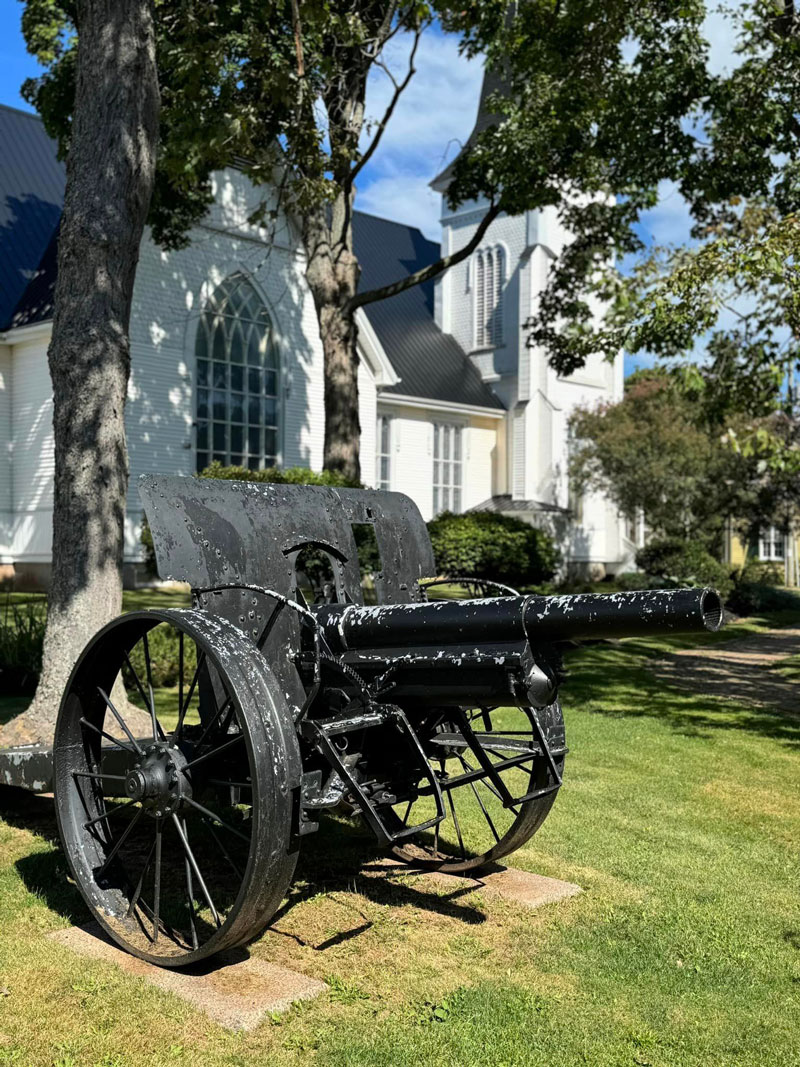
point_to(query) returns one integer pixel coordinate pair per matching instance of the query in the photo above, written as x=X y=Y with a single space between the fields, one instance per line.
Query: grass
x=680 y=818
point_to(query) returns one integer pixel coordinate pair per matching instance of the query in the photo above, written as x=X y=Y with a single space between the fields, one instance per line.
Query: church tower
x=483 y=302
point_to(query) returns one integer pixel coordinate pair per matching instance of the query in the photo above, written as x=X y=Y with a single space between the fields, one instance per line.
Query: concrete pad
x=510 y=883
x=236 y=990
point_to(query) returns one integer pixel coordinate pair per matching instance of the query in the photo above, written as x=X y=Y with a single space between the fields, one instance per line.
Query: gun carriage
x=271 y=700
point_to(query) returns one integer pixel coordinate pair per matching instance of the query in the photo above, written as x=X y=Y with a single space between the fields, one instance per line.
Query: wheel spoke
x=136 y=679
x=486 y=814
x=213 y=752
x=122 y=839
x=210 y=815
x=121 y=721
x=223 y=707
x=224 y=850
x=99 y=776
x=456 y=824
x=157 y=881
x=140 y=884
x=491 y=787
x=196 y=870
x=201 y=659
x=189 y=893
x=107 y=736
x=108 y=814
x=152 y=702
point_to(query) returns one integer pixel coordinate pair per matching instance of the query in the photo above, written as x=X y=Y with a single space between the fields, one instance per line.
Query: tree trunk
x=332 y=273
x=110 y=171
x=342 y=425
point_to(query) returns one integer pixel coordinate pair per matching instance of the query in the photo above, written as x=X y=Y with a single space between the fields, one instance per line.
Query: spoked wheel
x=180 y=841
x=482 y=825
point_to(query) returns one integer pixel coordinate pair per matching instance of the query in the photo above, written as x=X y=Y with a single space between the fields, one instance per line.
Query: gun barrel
x=587 y=615
x=540 y=619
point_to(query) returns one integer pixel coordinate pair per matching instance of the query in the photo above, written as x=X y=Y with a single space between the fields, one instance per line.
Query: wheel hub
x=157 y=780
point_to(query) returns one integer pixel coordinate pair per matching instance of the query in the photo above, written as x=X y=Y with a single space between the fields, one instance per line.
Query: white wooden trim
x=440 y=405
x=20 y=334
x=379 y=363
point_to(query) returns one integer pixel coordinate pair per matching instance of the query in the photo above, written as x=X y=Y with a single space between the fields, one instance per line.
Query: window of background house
x=237 y=379
x=771 y=544
x=383 y=452
x=490 y=271
x=447 y=473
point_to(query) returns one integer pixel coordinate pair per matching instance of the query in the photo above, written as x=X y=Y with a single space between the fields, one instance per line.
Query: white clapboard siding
x=5 y=455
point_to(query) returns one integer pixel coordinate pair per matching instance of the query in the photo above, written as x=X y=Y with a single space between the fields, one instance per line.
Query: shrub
x=762 y=572
x=496 y=547
x=286 y=476
x=754 y=598
x=684 y=563
x=164 y=648
x=630 y=581
x=21 y=641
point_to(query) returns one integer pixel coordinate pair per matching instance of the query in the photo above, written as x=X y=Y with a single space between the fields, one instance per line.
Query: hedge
x=486 y=545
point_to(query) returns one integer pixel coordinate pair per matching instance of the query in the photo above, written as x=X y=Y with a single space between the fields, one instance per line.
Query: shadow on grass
x=342 y=857
x=12 y=706
x=612 y=681
x=43 y=873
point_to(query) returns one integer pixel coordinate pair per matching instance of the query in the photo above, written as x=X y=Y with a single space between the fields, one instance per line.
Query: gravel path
x=742 y=670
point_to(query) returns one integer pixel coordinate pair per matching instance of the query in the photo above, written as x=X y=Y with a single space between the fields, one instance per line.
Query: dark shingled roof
x=504 y=503
x=431 y=364
x=31 y=194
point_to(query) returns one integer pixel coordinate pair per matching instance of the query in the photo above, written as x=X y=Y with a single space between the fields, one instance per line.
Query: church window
x=490 y=278
x=383 y=453
x=237 y=379
x=446 y=467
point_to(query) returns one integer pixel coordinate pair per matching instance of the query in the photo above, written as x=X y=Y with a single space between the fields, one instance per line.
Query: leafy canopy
x=669 y=451
x=596 y=103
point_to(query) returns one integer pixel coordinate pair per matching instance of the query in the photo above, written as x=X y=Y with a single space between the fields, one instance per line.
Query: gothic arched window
x=490 y=277
x=237 y=379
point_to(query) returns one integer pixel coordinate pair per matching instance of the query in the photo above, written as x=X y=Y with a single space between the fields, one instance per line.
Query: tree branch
x=298 y=38
x=398 y=92
x=424 y=275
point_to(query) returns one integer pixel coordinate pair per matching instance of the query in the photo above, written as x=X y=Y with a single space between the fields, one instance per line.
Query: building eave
x=448 y=406
x=373 y=350
x=20 y=334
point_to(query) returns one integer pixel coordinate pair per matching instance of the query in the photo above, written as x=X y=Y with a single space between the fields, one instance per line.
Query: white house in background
x=227 y=364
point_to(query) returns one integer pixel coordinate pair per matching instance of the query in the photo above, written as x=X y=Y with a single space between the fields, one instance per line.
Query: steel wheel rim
x=244 y=916
x=518 y=829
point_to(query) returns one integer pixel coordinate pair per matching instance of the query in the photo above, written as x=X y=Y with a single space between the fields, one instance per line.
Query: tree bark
x=110 y=172
x=332 y=273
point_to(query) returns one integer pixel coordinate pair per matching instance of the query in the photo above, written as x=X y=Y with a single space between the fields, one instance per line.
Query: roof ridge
x=18 y=111
x=393 y=222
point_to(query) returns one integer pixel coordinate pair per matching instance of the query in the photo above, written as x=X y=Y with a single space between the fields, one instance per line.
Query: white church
x=455 y=409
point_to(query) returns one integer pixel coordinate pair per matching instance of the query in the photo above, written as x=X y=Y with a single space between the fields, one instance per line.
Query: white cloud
x=404 y=197
x=721 y=28
x=432 y=120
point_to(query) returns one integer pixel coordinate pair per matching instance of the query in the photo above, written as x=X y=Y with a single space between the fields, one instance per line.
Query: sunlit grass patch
x=679 y=817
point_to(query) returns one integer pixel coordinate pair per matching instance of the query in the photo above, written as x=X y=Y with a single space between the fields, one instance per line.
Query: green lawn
x=680 y=817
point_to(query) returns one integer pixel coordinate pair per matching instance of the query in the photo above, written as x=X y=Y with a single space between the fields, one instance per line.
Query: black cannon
x=280 y=694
